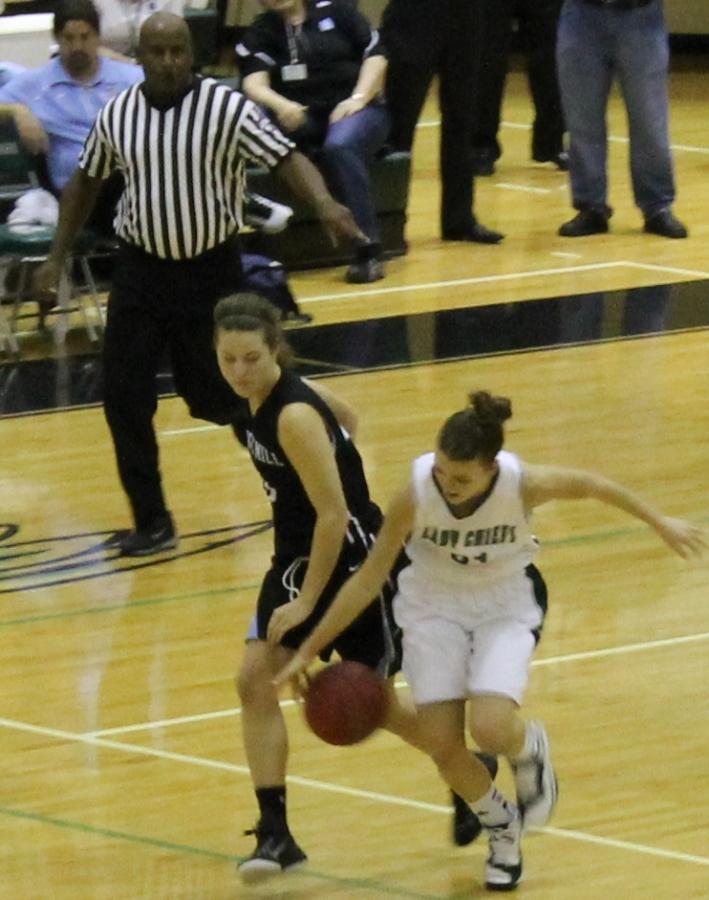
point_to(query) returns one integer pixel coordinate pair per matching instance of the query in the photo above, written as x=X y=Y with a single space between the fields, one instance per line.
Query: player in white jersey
x=299 y=437
x=471 y=605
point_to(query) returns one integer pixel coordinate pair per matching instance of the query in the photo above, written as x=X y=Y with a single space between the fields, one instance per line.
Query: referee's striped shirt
x=183 y=166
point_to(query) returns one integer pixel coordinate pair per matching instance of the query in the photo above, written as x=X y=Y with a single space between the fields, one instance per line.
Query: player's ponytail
x=252 y=312
x=476 y=432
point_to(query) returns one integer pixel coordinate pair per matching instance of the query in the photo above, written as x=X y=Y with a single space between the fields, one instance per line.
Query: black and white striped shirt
x=183 y=166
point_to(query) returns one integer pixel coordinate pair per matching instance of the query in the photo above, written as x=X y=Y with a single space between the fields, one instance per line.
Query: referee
x=181 y=142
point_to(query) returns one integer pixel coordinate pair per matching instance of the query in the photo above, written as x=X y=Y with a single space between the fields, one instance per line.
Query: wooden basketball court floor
x=124 y=774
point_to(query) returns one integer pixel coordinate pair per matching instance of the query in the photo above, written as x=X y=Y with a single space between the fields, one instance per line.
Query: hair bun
x=488 y=408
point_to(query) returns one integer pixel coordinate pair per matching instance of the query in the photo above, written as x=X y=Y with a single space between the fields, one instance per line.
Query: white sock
x=492 y=808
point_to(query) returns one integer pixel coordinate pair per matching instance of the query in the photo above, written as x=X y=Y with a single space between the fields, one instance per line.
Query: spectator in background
x=319 y=67
x=424 y=39
x=121 y=21
x=598 y=41
x=54 y=106
x=537 y=22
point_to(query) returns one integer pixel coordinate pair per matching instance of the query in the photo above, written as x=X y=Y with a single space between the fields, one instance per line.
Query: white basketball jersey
x=458 y=555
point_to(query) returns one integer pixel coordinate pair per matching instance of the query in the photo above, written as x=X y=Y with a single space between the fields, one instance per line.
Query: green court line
x=217 y=592
x=133 y=604
x=353 y=883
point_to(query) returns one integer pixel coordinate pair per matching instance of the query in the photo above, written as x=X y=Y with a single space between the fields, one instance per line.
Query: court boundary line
x=697 y=274
x=536 y=663
x=614 y=139
x=329 y=787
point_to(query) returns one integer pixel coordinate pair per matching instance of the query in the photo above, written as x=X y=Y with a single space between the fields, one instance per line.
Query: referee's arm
x=77 y=202
x=304 y=179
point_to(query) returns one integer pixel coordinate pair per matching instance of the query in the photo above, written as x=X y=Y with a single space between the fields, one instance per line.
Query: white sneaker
x=503 y=867
x=266 y=215
x=535 y=781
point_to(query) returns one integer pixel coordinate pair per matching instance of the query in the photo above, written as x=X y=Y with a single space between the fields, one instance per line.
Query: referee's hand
x=339 y=223
x=45 y=284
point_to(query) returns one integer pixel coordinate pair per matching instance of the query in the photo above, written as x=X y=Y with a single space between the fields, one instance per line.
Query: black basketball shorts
x=373 y=638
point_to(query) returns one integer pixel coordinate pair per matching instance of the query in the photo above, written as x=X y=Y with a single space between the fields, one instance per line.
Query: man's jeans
x=596 y=44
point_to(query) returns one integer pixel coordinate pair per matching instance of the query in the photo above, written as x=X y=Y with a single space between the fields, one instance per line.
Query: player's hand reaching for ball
x=286 y=617
x=295 y=672
x=683 y=537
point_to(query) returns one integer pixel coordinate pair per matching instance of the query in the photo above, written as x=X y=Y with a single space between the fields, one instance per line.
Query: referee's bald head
x=165 y=53
x=166 y=24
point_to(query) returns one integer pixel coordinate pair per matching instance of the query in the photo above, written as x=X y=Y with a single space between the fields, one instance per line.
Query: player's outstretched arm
x=359 y=591
x=544 y=483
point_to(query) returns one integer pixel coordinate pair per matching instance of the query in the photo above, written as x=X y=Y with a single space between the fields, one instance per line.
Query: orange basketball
x=346 y=702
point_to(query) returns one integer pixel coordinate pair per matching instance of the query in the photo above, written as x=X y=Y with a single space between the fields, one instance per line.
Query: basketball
x=345 y=702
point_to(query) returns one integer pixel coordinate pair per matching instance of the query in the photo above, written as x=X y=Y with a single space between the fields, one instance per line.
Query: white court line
x=389 y=799
x=193 y=430
x=507 y=276
x=521 y=126
x=623 y=845
x=671 y=270
x=562 y=255
x=546 y=661
x=508 y=186
x=627 y=648
x=464 y=282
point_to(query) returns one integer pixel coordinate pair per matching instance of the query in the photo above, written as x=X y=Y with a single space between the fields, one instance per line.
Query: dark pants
x=157 y=307
x=422 y=43
x=344 y=152
x=537 y=21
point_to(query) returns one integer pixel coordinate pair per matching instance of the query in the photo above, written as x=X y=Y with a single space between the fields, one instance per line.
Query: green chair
x=27 y=246
x=18 y=169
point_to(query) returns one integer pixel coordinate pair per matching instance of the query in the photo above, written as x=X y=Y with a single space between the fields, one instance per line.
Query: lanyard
x=292 y=35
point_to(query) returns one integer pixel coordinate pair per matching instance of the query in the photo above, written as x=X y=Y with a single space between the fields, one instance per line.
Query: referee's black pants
x=538 y=20
x=449 y=52
x=158 y=307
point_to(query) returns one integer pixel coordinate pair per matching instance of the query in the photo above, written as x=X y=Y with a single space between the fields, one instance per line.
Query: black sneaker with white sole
x=535 y=780
x=466 y=826
x=273 y=854
x=503 y=867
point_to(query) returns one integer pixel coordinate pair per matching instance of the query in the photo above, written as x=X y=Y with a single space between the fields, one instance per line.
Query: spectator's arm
x=370 y=83
x=30 y=130
x=257 y=87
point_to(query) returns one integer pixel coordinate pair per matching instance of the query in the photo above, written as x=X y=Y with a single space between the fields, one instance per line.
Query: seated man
x=319 y=68
x=55 y=105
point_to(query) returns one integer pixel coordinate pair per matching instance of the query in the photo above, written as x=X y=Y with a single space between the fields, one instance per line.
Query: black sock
x=272 y=806
x=459 y=804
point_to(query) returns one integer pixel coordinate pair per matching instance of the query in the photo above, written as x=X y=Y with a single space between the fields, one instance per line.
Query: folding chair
x=28 y=245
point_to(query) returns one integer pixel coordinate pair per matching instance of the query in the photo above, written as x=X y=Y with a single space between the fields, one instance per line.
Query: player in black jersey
x=299 y=438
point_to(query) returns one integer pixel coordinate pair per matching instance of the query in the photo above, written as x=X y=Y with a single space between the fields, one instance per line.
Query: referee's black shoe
x=466 y=825
x=158 y=536
x=473 y=232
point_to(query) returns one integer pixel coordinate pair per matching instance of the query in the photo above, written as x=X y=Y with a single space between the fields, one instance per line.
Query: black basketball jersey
x=293 y=514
